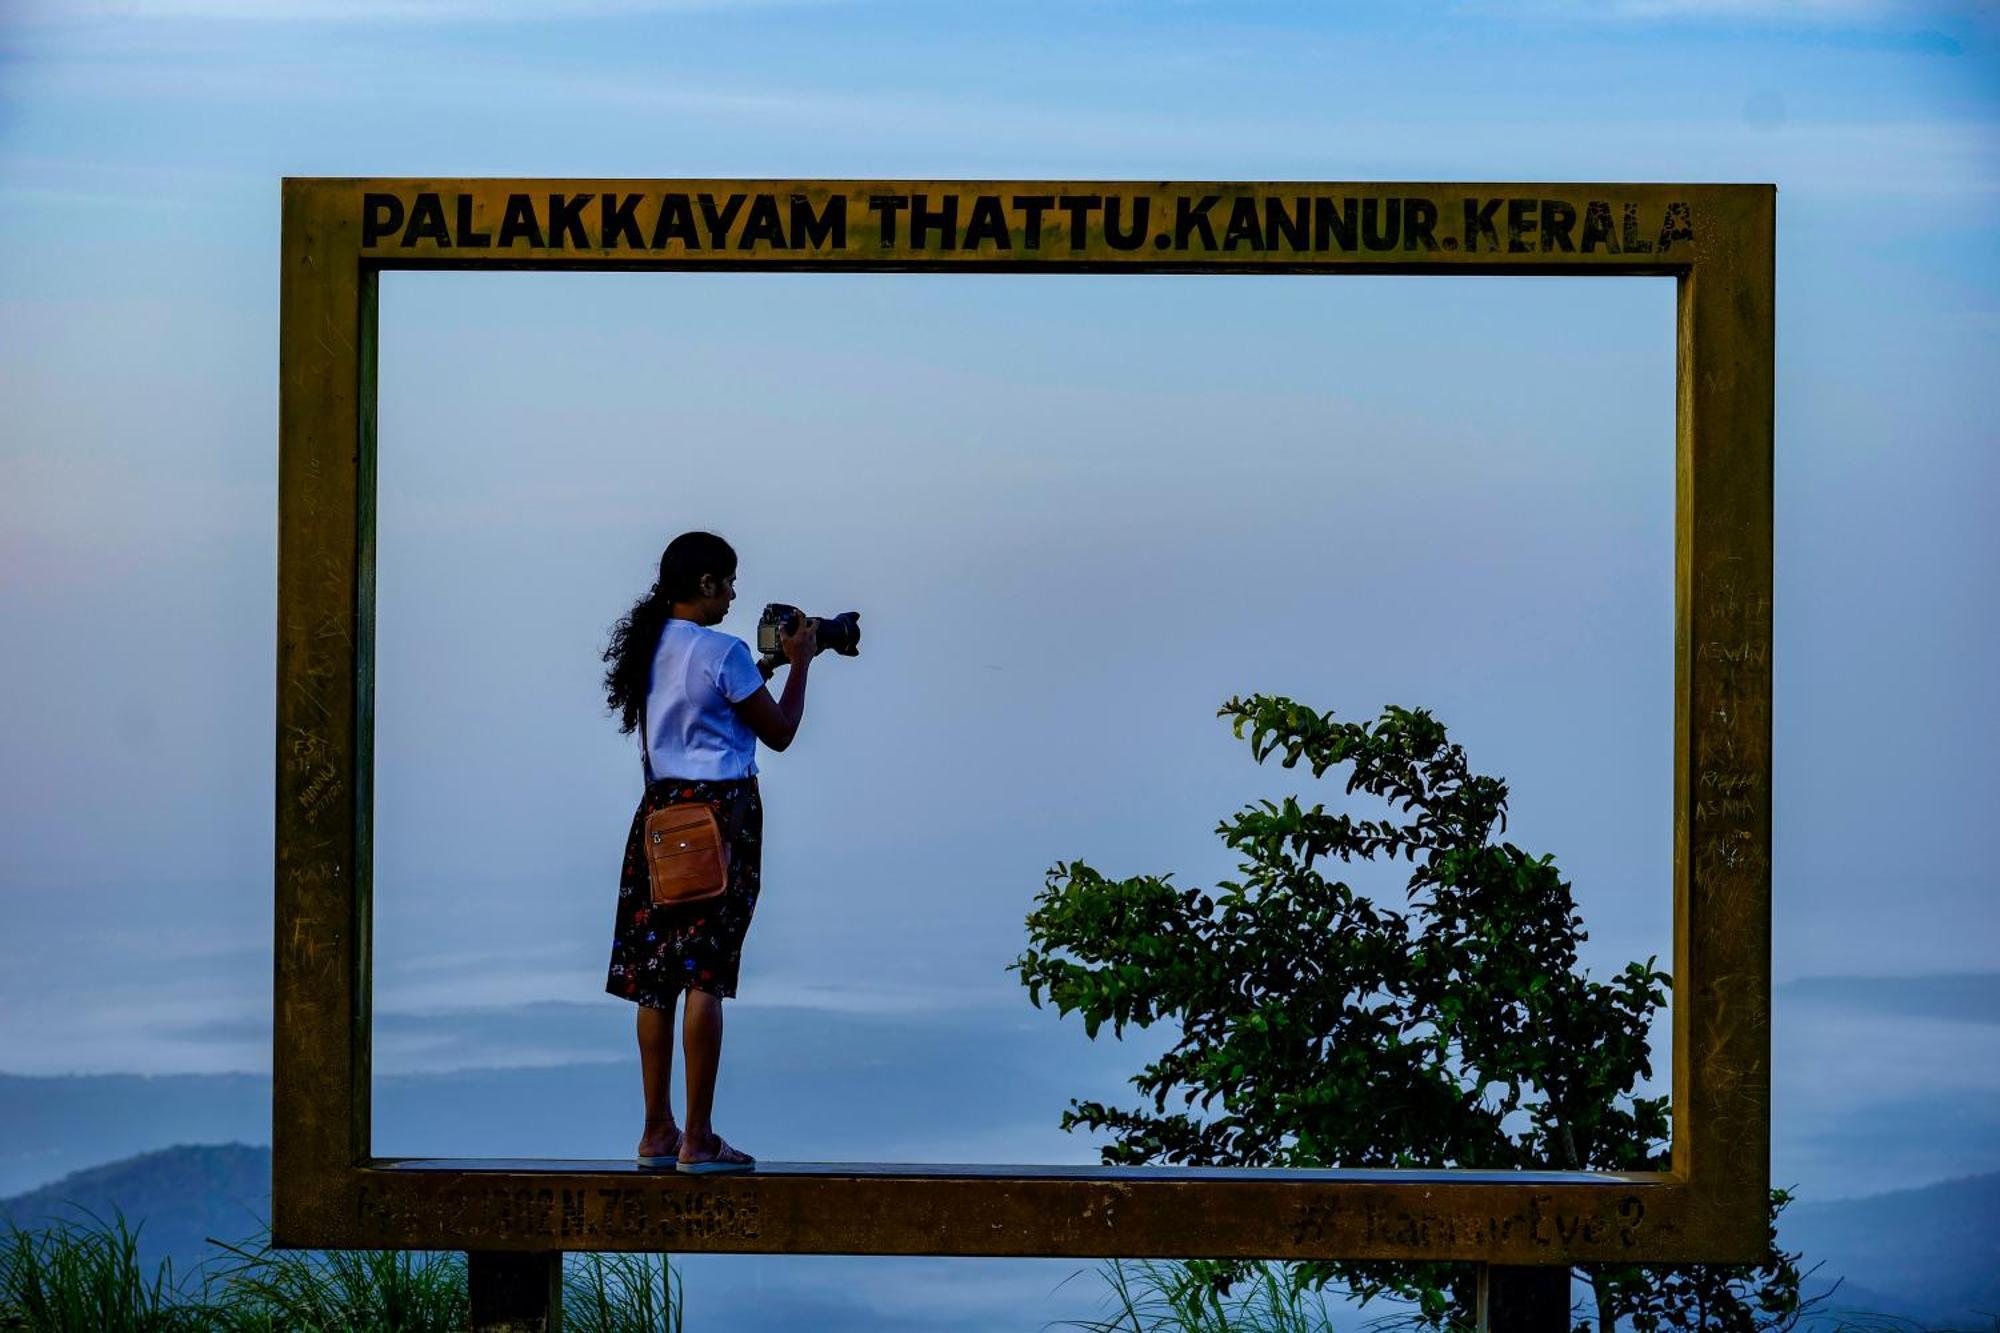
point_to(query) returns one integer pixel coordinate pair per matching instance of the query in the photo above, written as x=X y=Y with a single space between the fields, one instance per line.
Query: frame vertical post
x=1722 y=726
x=510 y=1292
x=1522 y=1299
x=320 y=1067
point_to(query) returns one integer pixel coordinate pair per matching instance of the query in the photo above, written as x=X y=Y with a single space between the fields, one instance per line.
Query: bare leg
x=701 y=1045
x=656 y=1071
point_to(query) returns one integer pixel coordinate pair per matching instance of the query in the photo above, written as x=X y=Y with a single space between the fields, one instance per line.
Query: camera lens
x=842 y=633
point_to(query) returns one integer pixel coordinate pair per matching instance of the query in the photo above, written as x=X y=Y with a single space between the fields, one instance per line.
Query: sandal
x=723 y=1159
x=666 y=1159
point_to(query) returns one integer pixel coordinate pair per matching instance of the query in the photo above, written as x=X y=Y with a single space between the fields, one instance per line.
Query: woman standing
x=700 y=704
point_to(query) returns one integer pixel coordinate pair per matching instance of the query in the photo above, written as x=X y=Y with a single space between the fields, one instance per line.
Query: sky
x=1075 y=513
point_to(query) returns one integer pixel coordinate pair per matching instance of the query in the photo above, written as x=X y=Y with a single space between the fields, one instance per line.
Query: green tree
x=1320 y=1028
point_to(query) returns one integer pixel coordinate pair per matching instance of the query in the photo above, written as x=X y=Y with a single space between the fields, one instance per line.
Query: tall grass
x=332 y=1291
x=85 y=1276
x=621 y=1293
x=1146 y=1296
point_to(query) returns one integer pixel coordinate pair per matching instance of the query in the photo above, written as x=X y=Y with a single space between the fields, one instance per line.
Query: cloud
x=1898 y=155
x=392 y=11
x=1813 y=12
x=1961 y=998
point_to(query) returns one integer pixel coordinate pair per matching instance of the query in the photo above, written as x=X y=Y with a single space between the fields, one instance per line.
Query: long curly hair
x=636 y=637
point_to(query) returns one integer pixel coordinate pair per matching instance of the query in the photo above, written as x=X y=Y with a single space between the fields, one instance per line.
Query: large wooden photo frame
x=1715 y=241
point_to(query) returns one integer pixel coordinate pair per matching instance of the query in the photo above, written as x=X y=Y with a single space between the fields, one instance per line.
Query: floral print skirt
x=658 y=952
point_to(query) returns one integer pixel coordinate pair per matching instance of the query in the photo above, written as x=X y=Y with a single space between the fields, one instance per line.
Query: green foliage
x=369 y=1291
x=75 y=1276
x=1320 y=1028
x=1149 y=1297
x=621 y=1293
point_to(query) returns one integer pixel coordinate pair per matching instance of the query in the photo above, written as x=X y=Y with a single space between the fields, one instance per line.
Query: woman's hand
x=801 y=644
x=776 y=721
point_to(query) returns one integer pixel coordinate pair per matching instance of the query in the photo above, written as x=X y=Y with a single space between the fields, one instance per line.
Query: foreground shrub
x=84 y=1276
x=1317 y=1025
x=1152 y=1297
x=621 y=1293
x=334 y=1291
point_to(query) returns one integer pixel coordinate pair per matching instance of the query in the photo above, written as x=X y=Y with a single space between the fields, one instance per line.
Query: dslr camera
x=842 y=633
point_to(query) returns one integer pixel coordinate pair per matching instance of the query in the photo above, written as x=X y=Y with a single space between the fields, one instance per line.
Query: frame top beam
x=1209 y=226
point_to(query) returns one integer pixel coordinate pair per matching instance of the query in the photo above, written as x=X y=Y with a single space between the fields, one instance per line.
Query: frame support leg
x=1519 y=1299
x=514 y=1293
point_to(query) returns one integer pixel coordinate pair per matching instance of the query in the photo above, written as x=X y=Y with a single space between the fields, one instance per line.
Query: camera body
x=842 y=633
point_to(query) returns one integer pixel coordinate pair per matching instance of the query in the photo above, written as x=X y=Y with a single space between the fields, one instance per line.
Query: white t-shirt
x=698 y=673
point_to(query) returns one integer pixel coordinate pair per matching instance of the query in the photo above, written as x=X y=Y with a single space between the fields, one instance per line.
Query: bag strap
x=645 y=745
x=645 y=741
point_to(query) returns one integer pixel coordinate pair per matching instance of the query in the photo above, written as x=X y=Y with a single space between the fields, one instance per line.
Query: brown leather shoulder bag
x=687 y=858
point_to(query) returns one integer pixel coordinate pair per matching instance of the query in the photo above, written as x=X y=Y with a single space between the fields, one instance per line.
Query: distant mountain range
x=1930 y=1254
x=990 y=1086
x=178 y=1198
x=51 y=1127
x=175 y=1198
x=883 y=1087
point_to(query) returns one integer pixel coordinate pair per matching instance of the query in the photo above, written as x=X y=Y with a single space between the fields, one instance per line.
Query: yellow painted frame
x=1716 y=241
